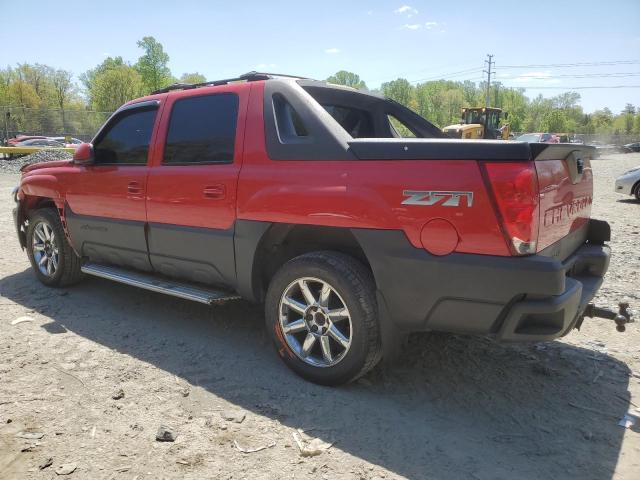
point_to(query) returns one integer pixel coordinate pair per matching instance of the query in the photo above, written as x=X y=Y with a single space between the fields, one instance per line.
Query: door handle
x=134 y=188
x=215 y=192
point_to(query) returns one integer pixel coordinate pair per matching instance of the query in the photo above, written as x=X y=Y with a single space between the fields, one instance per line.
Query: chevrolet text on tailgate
x=305 y=196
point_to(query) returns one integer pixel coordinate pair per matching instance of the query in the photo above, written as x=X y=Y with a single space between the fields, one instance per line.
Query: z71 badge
x=428 y=198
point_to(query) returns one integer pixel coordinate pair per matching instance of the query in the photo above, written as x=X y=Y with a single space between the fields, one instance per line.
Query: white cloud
x=332 y=51
x=369 y=12
x=265 y=66
x=406 y=10
x=106 y=54
x=418 y=26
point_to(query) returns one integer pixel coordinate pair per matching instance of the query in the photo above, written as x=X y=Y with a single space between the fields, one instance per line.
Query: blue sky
x=379 y=40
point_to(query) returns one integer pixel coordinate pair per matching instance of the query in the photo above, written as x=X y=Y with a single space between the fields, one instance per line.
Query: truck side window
x=202 y=129
x=126 y=141
x=288 y=122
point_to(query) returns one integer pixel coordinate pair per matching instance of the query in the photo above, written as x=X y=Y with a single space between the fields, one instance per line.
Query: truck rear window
x=358 y=123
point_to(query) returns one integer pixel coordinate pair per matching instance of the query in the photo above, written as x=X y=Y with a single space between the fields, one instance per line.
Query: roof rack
x=247 y=77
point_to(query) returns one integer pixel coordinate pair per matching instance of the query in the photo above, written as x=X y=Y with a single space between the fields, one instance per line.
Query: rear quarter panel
x=378 y=186
x=362 y=193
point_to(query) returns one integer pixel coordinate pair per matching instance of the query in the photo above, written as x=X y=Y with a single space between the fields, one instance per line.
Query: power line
x=494 y=68
x=452 y=75
x=422 y=71
x=447 y=75
x=583 y=75
x=535 y=87
x=578 y=64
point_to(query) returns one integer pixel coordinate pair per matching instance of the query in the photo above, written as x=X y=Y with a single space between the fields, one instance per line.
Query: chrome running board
x=155 y=284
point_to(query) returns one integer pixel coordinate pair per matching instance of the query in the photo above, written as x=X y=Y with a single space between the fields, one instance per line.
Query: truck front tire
x=322 y=313
x=53 y=260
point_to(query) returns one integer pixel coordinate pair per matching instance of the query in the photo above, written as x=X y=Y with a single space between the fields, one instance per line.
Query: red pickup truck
x=305 y=196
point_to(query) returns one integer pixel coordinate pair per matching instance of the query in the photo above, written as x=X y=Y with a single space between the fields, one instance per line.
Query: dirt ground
x=456 y=407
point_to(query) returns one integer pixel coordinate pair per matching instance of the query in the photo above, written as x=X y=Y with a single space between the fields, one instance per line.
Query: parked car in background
x=632 y=147
x=606 y=148
x=67 y=141
x=40 y=142
x=12 y=142
x=629 y=183
x=538 y=138
x=43 y=142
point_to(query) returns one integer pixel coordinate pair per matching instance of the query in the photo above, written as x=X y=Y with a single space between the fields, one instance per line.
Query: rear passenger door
x=191 y=190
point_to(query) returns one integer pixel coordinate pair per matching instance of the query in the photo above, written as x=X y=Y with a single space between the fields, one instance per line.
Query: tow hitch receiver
x=622 y=317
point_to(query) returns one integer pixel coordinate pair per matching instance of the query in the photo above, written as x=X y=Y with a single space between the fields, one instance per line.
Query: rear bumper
x=530 y=298
x=547 y=318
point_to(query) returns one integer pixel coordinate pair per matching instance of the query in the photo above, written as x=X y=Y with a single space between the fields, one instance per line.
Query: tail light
x=516 y=197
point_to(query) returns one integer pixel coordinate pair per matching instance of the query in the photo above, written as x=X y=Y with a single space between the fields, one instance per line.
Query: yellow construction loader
x=480 y=122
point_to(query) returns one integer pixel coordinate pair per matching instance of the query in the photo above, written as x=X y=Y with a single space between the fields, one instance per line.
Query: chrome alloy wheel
x=315 y=322
x=45 y=249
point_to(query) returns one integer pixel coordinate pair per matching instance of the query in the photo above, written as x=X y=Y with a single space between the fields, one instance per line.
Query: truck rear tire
x=53 y=260
x=322 y=313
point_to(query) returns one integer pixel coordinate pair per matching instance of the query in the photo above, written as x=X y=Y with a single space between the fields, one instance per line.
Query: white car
x=629 y=183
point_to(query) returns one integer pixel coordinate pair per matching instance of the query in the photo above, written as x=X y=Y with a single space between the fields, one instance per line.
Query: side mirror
x=506 y=115
x=83 y=154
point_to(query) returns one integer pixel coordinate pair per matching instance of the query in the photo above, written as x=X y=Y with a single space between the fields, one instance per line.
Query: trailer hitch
x=622 y=317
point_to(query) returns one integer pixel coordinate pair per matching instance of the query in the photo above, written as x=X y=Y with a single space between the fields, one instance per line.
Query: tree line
x=441 y=102
x=43 y=99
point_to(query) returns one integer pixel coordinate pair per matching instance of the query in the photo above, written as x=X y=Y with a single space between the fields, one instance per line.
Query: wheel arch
x=28 y=204
x=262 y=248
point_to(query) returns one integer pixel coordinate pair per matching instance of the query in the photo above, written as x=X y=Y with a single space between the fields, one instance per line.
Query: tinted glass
x=493 y=120
x=356 y=122
x=127 y=140
x=202 y=130
x=290 y=125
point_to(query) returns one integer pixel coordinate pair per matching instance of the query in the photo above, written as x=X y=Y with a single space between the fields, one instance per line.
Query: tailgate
x=565 y=181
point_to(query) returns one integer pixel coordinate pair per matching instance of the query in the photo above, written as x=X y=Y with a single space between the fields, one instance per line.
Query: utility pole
x=488 y=62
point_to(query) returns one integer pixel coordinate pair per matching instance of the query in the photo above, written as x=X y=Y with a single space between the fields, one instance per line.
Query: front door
x=191 y=190
x=105 y=209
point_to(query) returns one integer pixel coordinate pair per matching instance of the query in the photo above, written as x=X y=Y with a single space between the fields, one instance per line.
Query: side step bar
x=155 y=284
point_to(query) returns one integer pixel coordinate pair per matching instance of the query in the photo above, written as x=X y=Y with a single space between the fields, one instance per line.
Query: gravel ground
x=98 y=369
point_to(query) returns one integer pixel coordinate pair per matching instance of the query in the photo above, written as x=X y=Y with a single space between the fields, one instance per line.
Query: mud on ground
x=100 y=367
